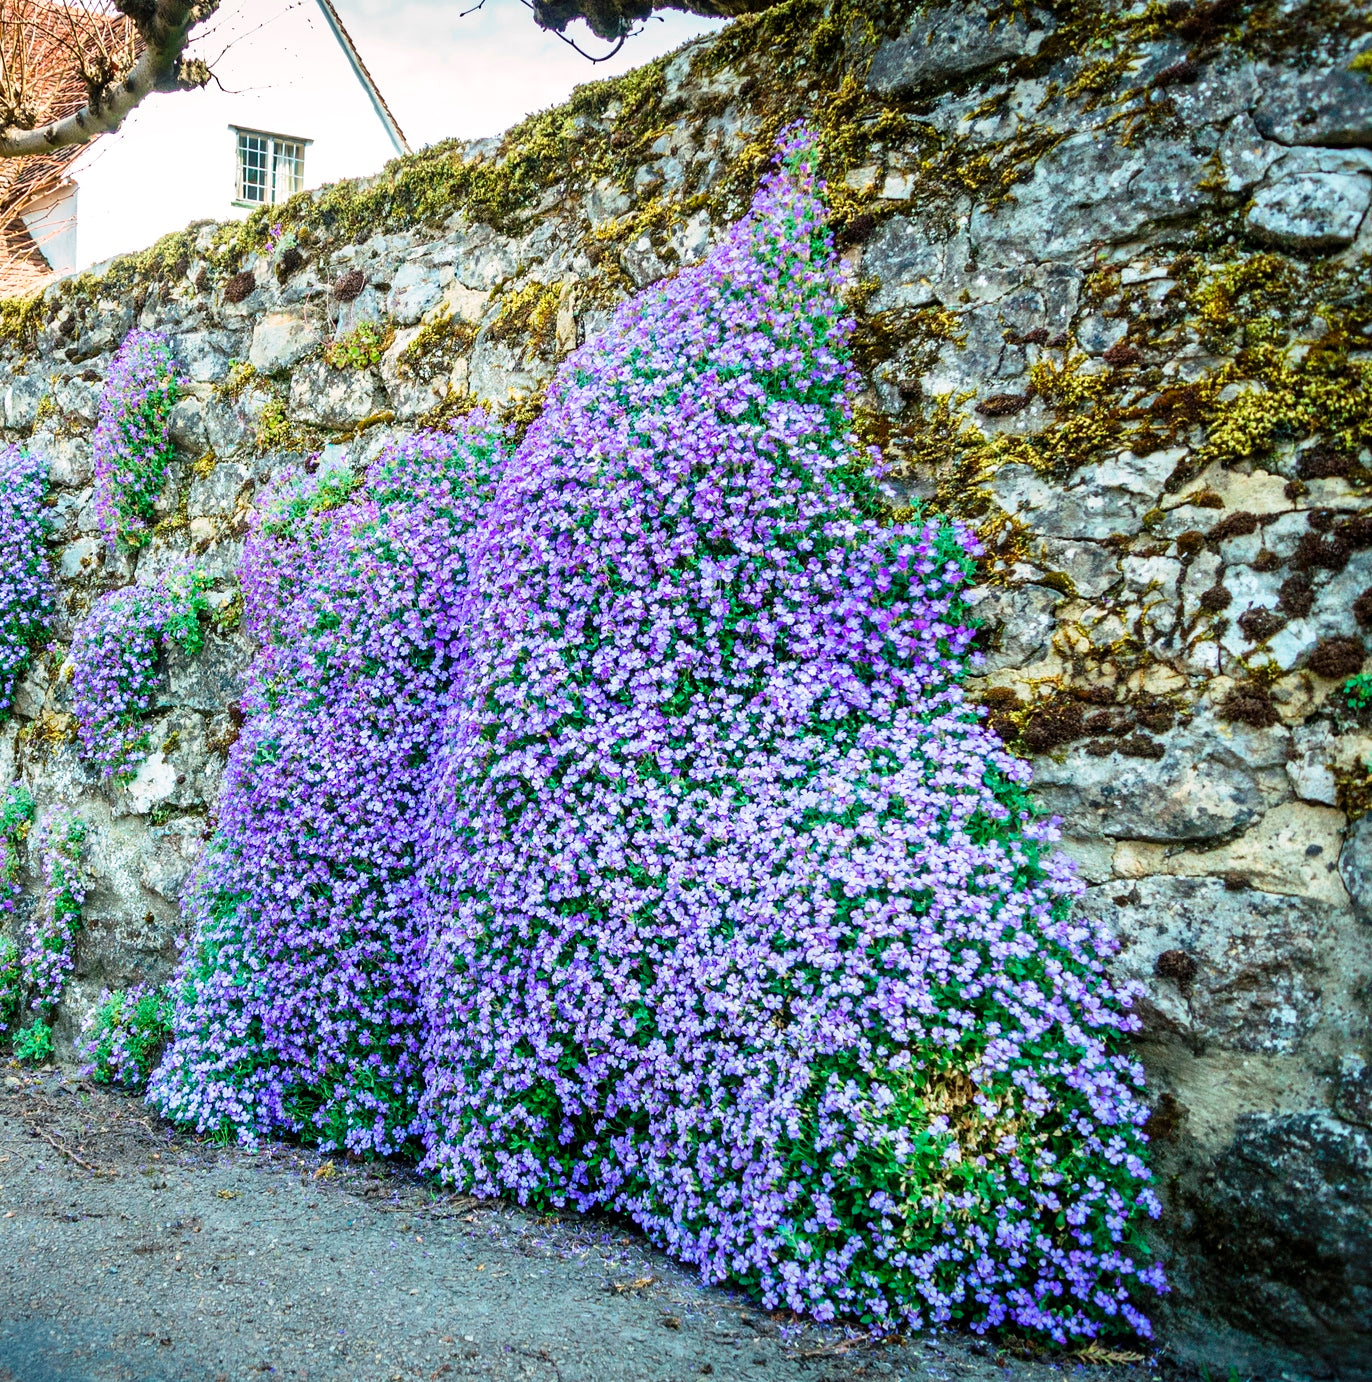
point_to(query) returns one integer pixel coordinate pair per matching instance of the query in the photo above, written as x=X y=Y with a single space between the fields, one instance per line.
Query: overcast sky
x=445 y=74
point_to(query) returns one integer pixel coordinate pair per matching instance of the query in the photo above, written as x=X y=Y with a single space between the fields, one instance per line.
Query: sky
x=444 y=73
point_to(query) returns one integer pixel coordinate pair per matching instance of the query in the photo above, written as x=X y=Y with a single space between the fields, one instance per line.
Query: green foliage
x=1356 y=692
x=360 y=348
x=16 y=817
x=126 y=1034
x=11 y=983
x=34 y=1042
x=185 y=626
x=67 y=844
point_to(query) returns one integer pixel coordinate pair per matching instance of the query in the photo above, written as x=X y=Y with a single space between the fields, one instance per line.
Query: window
x=270 y=168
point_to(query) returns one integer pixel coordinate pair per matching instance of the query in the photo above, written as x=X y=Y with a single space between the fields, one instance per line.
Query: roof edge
x=383 y=111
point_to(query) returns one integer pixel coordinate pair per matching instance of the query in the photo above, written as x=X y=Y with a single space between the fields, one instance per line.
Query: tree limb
x=164 y=27
x=614 y=18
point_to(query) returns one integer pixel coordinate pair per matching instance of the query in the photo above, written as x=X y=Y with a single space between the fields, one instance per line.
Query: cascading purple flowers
x=300 y=1010
x=738 y=923
x=26 y=586
x=132 y=445
x=117 y=664
x=616 y=803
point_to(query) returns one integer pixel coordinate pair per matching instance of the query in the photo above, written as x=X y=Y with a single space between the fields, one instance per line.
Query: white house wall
x=279 y=69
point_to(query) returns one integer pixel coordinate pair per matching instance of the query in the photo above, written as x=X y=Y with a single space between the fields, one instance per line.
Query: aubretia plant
x=132 y=445
x=48 y=959
x=34 y=1042
x=116 y=663
x=299 y=1001
x=26 y=587
x=125 y=1034
x=739 y=922
x=690 y=888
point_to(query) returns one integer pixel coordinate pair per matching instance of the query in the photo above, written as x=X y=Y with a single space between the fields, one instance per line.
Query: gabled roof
x=383 y=111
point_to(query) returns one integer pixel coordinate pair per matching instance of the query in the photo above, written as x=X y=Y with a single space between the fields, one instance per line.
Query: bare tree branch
x=163 y=27
x=615 y=18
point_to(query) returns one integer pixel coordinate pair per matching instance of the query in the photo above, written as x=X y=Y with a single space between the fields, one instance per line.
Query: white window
x=271 y=168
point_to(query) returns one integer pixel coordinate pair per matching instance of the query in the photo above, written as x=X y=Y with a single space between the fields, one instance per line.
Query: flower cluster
x=300 y=1004
x=609 y=821
x=117 y=663
x=26 y=587
x=132 y=445
x=125 y=1034
x=61 y=842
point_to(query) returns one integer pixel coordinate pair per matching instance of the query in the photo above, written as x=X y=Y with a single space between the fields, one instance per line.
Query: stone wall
x=1111 y=277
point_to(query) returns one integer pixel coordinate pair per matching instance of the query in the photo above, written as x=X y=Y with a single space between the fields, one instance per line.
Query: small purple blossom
x=60 y=842
x=124 y=1035
x=300 y=1001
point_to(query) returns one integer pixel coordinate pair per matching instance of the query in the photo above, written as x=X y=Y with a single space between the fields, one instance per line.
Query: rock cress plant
x=738 y=921
x=125 y=1033
x=117 y=667
x=300 y=1002
x=132 y=445
x=691 y=880
x=26 y=588
x=61 y=841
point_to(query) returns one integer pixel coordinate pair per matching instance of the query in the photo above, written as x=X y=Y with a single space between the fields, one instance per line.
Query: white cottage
x=291 y=106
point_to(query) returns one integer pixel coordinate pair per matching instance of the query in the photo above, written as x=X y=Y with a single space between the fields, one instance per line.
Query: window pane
x=288 y=168
x=252 y=167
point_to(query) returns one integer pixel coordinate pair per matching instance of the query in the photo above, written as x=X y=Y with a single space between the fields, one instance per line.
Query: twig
x=543 y=1356
x=67 y=1152
x=576 y=47
x=844 y=1346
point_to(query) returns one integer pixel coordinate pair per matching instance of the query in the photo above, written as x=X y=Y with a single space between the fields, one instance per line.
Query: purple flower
x=48 y=958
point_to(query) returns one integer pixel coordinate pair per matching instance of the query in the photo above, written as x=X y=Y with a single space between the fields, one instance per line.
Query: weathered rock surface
x=1207 y=782
x=1324 y=106
x=1250 y=969
x=281 y=339
x=1311 y=211
x=1355 y=864
x=1284 y=1220
x=941 y=45
x=335 y=398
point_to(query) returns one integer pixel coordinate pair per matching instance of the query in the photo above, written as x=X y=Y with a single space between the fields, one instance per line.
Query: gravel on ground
x=131 y=1252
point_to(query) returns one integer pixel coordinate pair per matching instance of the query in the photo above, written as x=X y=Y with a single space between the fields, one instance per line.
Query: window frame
x=273 y=141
